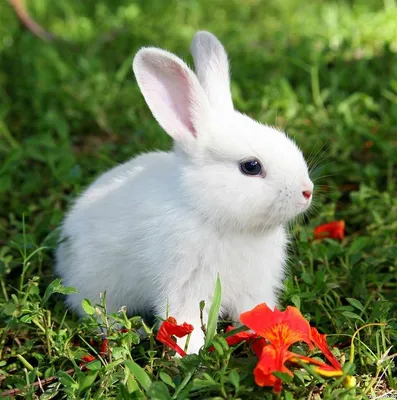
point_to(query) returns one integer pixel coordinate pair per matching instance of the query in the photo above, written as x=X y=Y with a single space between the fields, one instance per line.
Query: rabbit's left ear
x=173 y=93
x=212 y=69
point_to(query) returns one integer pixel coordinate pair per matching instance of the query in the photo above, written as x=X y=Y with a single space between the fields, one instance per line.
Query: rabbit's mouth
x=303 y=206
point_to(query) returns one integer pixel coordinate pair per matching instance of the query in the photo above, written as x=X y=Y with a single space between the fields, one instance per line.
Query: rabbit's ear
x=172 y=92
x=212 y=69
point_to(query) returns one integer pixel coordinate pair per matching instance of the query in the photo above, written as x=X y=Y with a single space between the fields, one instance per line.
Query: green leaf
x=222 y=341
x=355 y=303
x=204 y=383
x=296 y=301
x=241 y=328
x=135 y=339
x=167 y=379
x=87 y=307
x=94 y=365
x=27 y=319
x=158 y=391
x=218 y=348
x=234 y=378
x=119 y=352
x=209 y=378
x=131 y=384
x=2 y=269
x=124 y=393
x=65 y=379
x=307 y=278
x=140 y=374
x=56 y=287
x=214 y=313
x=358 y=245
x=185 y=385
x=52 y=239
x=352 y=315
x=283 y=376
x=288 y=396
x=87 y=381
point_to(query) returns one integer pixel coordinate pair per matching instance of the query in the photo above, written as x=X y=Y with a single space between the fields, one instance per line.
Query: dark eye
x=251 y=167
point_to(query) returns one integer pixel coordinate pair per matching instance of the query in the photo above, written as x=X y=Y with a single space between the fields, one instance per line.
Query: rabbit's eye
x=251 y=167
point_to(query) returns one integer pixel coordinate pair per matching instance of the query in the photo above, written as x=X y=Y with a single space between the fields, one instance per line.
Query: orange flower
x=279 y=327
x=257 y=342
x=323 y=369
x=333 y=370
x=282 y=329
x=278 y=330
x=239 y=337
x=333 y=230
x=87 y=359
x=170 y=328
x=104 y=347
x=271 y=360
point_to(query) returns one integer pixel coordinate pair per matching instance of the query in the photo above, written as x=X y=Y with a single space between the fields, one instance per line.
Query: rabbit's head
x=233 y=170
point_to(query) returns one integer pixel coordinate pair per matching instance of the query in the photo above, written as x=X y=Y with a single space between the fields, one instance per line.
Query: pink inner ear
x=178 y=94
x=184 y=105
x=172 y=93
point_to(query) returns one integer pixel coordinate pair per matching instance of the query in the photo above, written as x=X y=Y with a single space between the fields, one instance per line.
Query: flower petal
x=279 y=327
x=239 y=337
x=170 y=328
x=271 y=360
x=333 y=230
x=321 y=342
x=258 y=345
x=320 y=367
x=328 y=373
x=104 y=347
x=308 y=360
x=88 y=359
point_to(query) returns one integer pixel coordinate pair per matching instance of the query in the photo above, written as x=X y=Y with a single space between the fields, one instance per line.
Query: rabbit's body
x=123 y=238
x=158 y=229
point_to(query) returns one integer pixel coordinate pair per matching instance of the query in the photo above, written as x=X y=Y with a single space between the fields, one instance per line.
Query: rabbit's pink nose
x=307 y=194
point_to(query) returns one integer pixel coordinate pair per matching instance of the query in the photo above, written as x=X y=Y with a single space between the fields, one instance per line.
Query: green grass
x=325 y=71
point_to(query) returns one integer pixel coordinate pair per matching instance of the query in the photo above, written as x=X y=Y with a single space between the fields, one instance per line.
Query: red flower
x=281 y=329
x=271 y=360
x=323 y=369
x=88 y=358
x=170 y=328
x=239 y=337
x=278 y=330
x=257 y=343
x=104 y=347
x=333 y=370
x=333 y=230
x=85 y=360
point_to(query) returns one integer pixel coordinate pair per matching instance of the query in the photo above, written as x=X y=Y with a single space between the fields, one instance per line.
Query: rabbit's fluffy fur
x=161 y=227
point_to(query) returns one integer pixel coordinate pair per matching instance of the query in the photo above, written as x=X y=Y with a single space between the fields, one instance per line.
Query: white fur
x=162 y=226
x=212 y=69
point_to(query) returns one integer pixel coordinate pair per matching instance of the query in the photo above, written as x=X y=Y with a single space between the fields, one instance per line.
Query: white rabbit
x=158 y=229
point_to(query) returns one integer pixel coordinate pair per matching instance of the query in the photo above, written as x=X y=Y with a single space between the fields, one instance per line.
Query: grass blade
x=140 y=374
x=214 y=313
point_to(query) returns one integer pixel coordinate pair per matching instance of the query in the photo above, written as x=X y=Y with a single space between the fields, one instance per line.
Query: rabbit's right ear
x=212 y=69
x=172 y=92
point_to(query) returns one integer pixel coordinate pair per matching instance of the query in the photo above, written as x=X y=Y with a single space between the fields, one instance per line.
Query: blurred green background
x=70 y=108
